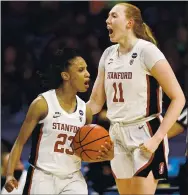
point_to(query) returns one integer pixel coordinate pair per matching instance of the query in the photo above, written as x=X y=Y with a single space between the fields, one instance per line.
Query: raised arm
x=98 y=97
x=37 y=111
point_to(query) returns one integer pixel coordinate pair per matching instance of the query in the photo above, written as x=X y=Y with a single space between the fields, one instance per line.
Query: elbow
x=94 y=106
x=98 y=108
x=183 y=99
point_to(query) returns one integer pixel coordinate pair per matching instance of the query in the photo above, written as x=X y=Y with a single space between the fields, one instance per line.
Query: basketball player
x=181 y=125
x=53 y=119
x=131 y=74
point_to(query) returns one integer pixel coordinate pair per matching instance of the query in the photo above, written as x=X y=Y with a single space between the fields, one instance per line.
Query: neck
x=66 y=94
x=126 y=44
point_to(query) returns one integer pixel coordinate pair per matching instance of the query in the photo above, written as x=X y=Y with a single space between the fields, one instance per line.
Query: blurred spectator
x=100 y=176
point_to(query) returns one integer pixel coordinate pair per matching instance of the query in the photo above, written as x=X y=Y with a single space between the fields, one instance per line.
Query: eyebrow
x=82 y=66
x=111 y=13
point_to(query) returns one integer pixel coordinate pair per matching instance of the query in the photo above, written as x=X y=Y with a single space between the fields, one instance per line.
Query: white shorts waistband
x=136 y=122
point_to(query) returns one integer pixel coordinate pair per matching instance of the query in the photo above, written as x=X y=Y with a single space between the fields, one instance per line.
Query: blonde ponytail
x=148 y=34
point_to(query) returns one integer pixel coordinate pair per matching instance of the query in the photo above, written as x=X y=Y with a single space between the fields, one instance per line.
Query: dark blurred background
x=30 y=29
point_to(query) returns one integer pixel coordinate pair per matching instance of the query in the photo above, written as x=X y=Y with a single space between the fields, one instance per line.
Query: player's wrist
x=9 y=175
x=158 y=137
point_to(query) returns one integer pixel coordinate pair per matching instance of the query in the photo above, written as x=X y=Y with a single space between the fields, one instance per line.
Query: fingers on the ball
x=10 y=186
x=107 y=145
x=104 y=149
x=15 y=184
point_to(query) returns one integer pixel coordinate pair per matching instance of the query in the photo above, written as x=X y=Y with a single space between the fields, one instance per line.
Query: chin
x=113 y=40
x=82 y=90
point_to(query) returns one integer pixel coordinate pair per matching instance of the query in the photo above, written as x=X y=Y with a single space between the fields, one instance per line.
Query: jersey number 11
x=115 y=99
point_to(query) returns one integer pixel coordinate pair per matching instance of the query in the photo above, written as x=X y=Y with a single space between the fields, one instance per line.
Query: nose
x=87 y=73
x=107 y=20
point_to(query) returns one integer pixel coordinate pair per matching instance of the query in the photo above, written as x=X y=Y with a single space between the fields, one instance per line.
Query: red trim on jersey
x=150 y=160
x=158 y=101
x=38 y=144
x=114 y=175
x=146 y=165
x=148 y=95
x=163 y=143
x=150 y=129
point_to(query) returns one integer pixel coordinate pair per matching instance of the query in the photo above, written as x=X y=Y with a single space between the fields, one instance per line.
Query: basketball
x=88 y=140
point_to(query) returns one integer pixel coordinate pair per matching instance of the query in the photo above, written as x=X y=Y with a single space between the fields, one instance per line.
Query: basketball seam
x=91 y=150
x=85 y=135
x=81 y=146
x=85 y=154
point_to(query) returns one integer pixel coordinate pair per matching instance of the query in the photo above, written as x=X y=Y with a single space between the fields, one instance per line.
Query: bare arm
x=37 y=111
x=89 y=116
x=167 y=80
x=98 y=97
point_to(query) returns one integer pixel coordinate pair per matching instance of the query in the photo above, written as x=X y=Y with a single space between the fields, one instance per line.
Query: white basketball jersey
x=132 y=93
x=51 y=140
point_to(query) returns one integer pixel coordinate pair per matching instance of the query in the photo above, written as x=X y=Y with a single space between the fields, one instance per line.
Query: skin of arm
x=98 y=97
x=37 y=111
x=89 y=116
x=163 y=73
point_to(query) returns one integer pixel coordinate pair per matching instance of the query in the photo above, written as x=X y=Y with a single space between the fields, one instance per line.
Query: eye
x=81 y=69
x=114 y=15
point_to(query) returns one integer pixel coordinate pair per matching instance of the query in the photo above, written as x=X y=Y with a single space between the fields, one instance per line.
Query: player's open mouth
x=86 y=83
x=110 y=31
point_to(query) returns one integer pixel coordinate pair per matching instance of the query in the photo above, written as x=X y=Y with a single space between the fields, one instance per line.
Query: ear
x=130 y=23
x=65 y=76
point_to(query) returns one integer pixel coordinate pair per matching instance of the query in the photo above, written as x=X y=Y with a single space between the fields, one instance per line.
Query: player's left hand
x=149 y=146
x=106 y=151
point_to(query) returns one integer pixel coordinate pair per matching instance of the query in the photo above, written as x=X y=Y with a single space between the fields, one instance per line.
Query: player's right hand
x=11 y=183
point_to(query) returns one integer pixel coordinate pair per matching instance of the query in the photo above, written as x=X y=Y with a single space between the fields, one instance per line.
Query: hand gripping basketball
x=89 y=144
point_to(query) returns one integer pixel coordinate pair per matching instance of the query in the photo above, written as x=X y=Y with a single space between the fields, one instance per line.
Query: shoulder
x=39 y=103
x=110 y=49
x=147 y=47
x=144 y=45
x=38 y=109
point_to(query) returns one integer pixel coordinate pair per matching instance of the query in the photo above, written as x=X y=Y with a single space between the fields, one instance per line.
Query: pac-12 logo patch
x=81 y=112
x=161 y=168
x=131 y=61
x=134 y=55
x=80 y=118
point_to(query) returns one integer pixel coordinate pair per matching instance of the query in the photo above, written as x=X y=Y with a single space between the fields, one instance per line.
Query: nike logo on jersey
x=140 y=127
x=56 y=115
x=110 y=61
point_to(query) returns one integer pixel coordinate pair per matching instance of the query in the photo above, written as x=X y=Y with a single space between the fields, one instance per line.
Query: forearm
x=95 y=108
x=14 y=158
x=170 y=117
